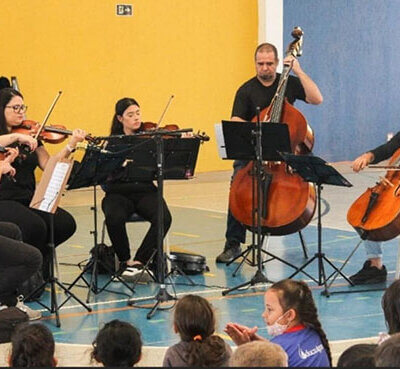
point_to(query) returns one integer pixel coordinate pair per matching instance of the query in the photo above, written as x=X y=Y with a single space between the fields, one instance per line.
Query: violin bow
x=165 y=110
x=46 y=118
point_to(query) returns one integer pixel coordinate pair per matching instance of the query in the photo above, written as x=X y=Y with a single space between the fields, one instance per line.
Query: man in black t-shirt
x=258 y=92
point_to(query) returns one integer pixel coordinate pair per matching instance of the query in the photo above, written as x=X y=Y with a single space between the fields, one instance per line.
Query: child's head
x=288 y=303
x=194 y=321
x=259 y=354
x=32 y=345
x=117 y=344
x=391 y=307
x=358 y=356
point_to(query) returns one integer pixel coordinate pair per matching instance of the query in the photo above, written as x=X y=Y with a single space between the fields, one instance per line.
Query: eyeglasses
x=18 y=108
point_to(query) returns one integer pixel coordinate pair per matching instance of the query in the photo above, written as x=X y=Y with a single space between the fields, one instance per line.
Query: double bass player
x=259 y=92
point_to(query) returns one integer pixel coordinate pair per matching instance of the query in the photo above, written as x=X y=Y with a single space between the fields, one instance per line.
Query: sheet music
x=54 y=187
x=219 y=134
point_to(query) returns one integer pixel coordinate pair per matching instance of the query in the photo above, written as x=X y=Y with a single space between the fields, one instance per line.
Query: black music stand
x=257 y=142
x=158 y=158
x=45 y=199
x=93 y=170
x=316 y=170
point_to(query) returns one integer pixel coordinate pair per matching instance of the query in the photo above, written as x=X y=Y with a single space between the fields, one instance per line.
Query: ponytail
x=208 y=352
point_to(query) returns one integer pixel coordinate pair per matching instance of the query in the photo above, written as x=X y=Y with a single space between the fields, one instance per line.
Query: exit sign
x=125 y=10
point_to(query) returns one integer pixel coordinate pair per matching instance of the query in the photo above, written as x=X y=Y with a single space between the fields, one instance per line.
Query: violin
x=52 y=134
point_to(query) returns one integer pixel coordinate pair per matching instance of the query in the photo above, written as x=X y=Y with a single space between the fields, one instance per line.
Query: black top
x=253 y=93
x=120 y=181
x=23 y=188
x=386 y=150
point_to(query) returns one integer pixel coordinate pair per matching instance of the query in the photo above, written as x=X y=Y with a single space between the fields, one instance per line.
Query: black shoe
x=230 y=252
x=369 y=274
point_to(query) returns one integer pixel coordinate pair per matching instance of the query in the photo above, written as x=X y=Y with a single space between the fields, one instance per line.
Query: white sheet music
x=54 y=186
x=219 y=134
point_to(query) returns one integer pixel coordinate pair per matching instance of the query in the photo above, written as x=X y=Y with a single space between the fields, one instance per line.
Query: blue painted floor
x=343 y=316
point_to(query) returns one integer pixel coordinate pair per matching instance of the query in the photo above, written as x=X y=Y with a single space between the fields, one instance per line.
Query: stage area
x=198 y=208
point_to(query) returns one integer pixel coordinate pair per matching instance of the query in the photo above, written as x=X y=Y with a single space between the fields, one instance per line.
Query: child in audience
x=292 y=319
x=259 y=354
x=32 y=345
x=358 y=356
x=194 y=321
x=117 y=344
x=387 y=354
x=391 y=309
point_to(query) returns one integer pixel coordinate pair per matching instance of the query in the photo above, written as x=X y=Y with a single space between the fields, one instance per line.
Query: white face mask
x=277 y=329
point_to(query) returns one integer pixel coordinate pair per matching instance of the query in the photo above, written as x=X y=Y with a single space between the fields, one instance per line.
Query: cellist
x=373 y=270
x=259 y=92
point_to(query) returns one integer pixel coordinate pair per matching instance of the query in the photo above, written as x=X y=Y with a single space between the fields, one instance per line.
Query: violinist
x=373 y=270
x=125 y=197
x=259 y=92
x=16 y=194
x=18 y=261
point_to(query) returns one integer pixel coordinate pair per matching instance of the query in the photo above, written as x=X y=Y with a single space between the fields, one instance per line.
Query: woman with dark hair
x=32 y=346
x=16 y=194
x=118 y=344
x=292 y=321
x=125 y=197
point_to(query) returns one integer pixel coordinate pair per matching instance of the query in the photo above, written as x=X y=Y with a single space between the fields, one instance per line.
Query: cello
x=288 y=200
x=375 y=215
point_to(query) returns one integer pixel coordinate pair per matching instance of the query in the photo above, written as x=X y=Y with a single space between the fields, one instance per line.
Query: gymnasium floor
x=198 y=208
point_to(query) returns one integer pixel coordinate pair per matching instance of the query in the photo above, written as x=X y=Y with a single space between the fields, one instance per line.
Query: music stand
x=316 y=170
x=96 y=165
x=158 y=158
x=257 y=142
x=46 y=198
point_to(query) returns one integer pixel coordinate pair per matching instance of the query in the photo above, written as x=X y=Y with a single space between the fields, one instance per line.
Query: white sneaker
x=132 y=271
x=32 y=314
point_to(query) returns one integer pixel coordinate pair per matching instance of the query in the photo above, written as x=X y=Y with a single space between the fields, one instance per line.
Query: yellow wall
x=198 y=50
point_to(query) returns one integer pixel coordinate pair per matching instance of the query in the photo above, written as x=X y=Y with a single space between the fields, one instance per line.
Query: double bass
x=289 y=201
x=375 y=215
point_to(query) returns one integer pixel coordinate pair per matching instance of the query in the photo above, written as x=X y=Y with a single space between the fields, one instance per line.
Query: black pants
x=34 y=225
x=118 y=208
x=18 y=261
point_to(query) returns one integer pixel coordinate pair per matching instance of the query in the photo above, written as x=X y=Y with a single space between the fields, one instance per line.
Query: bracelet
x=70 y=148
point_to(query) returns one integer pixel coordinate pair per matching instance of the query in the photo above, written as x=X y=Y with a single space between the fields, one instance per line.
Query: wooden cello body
x=289 y=201
x=375 y=215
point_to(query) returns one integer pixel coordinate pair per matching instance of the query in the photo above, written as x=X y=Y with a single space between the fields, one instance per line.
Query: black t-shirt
x=253 y=94
x=23 y=188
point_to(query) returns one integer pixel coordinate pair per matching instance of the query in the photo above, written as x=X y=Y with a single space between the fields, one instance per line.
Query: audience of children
x=259 y=354
x=32 y=345
x=117 y=344
x=292 y=320
x=358 y=356
x=194 y=321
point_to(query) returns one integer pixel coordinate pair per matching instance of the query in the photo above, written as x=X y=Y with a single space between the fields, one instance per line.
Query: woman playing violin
x=373 y=270
x=125 y=197
x=15 y=195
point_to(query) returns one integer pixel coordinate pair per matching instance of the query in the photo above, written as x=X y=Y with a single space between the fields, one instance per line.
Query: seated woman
x=16 y=194
x=125 y=196
x=18 y=261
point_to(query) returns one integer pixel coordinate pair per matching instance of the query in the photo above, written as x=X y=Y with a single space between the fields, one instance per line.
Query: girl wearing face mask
x=292 y=321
